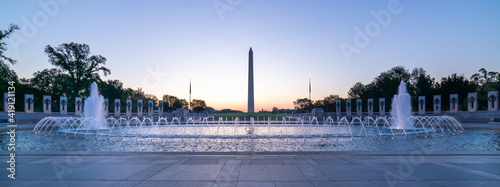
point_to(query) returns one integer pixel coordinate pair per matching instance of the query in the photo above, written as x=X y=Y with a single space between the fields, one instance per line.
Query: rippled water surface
x=477 y=140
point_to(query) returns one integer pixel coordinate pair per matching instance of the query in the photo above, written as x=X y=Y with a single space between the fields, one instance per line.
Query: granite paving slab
x=377 y=168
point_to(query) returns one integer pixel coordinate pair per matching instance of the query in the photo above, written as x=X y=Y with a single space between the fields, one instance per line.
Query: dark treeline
x=75 y=68
x=419 y=83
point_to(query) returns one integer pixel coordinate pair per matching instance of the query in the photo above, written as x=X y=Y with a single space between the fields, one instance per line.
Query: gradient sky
x=160 y=45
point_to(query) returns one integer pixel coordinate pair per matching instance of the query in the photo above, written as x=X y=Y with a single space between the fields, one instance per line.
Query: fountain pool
x=93 y=131
x=475 y=140
x=254 y=129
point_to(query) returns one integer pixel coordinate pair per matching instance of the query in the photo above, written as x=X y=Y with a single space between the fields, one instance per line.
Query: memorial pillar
x=437 y=104
x=28 y=103
x=472 y=102
x=381 y=106
x=47 y=104
x=492 y=100
x=63 y=105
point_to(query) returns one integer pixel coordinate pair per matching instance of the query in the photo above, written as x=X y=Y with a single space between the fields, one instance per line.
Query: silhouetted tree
x=172 y=103
x=484 y=77
x=180 y=103
x=6 y=75
x=357 y=90
x=456 y=84
x=421 y=84
x=198 y=105
x=275 y=110
x=3 y=46
x=327 y=104
x=303 y=105
x=75 y=60
x=51 y=81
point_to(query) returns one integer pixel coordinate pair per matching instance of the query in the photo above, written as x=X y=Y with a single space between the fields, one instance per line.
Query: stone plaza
x=415 y=168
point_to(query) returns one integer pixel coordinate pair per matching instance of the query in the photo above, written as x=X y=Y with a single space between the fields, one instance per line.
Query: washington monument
x=250 y=81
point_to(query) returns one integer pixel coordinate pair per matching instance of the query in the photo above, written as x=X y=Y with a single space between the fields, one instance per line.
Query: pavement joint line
x=331 y=180
x=381 y=167
x=470 y=170
x=220 y=171
x=293 y=165
x=239 y=173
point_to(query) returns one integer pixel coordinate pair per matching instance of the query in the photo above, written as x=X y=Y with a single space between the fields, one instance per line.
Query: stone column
x=421 y=105
x=29 y=103
x=492 y=100
x=47 y=104
x=160 y=108
x=5 y=98
x=437 y=104
x=129 y=107
x=117 y=107
x=472 y=102
x=370 y=106
x=63 y=105
x=359 y=107
x=348 y=107
x=453 y=103
x=150 y=108
x=78 y=106
x=139 y=107
x=338 y=105
x=106 y=106
x=381 y=106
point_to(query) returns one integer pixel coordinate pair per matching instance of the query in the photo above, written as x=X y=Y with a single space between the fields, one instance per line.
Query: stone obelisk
x=250 y=82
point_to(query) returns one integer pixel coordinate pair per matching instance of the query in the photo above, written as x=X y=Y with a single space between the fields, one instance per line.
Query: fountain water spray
x=94 y=108
x=401 y=109
x=93 y=124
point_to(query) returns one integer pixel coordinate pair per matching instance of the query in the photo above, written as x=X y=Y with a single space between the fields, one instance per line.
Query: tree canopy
x=3 y=46
x=76 y=61
x=172 y=103
x=198 y=105
x=419 y=83
x=75 y=69
x=303 y=105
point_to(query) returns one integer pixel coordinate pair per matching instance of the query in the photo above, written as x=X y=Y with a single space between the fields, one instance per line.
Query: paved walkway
x=328 y=169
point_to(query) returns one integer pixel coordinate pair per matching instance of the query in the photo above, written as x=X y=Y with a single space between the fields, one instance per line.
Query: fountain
x=94 y=109
x=245 y=134
x=401 y=109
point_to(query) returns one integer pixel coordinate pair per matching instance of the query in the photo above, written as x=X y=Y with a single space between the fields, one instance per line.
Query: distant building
x=264 y=111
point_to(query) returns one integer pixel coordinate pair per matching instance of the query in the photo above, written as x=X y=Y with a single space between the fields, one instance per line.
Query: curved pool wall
x=264 y=135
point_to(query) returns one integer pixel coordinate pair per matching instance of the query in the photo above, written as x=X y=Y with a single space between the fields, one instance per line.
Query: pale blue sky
x=293 y=41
